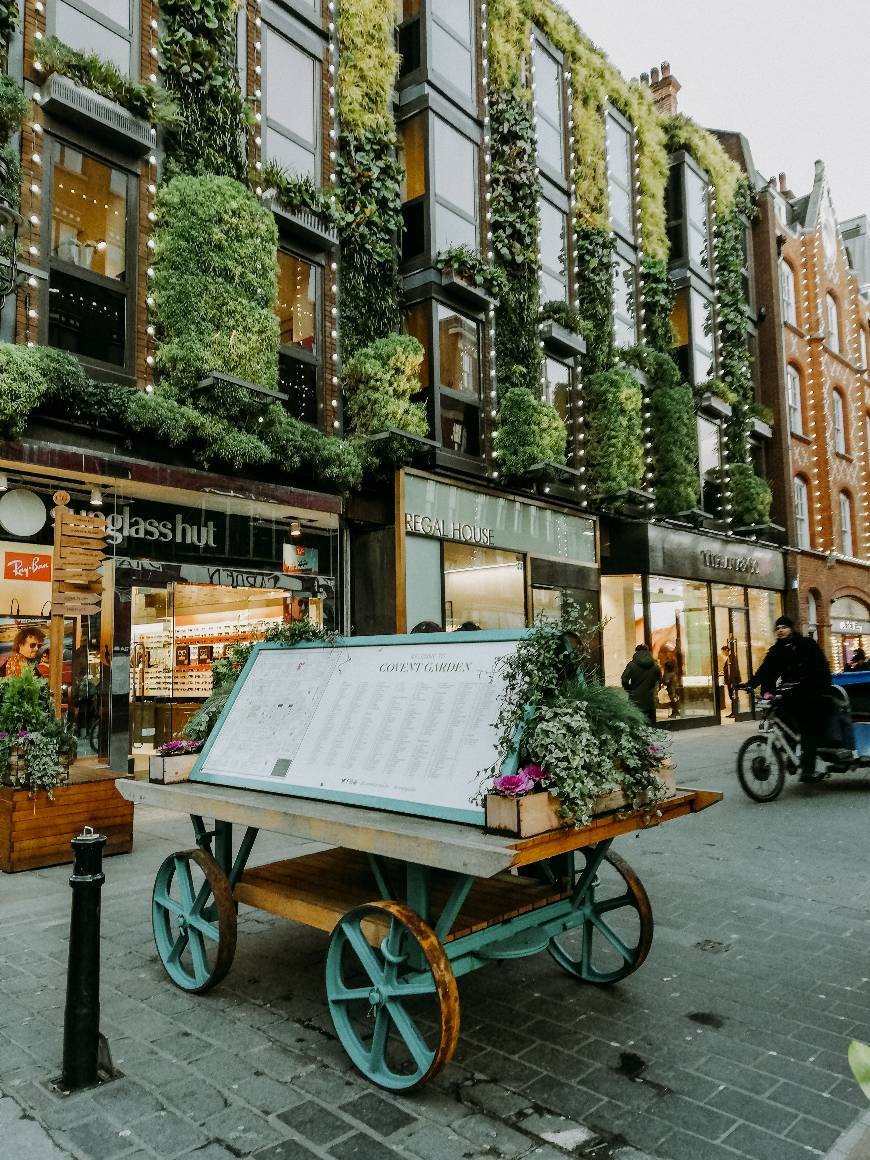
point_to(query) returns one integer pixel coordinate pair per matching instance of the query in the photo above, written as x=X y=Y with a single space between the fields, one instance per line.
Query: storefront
x=850 y=631
x=704 y=604
x=458 y=556
x=188 y=574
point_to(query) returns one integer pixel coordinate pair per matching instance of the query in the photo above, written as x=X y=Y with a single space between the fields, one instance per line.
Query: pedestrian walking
x=641 y=679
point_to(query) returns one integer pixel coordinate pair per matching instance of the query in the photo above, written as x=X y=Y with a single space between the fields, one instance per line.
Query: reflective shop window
x=298 y=313
x=454 y=161
x=408 y=35
x=86 y=319
x=624 y=296
x=558 y=384
x=554 y=261
x=549 y=120
x=484 y=586
x=291 y=80
x=451 y=40
x=103 y=27
x=620 y=175
x=680 y=636
x=459 y=352
x=622 y=620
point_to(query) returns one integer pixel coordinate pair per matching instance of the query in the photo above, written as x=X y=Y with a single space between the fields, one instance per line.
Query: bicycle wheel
x=760 y=770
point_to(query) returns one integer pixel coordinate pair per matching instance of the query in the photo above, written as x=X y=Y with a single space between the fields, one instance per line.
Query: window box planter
x=36 y=830
x=632 y=501
x=464 y=292
x=97 y=115
x=769 y=533
x=760 y=429
x=698 y=518
x=305 y=225
x=538 y=813
x=714 y=406
x=560 y=341
x=168 y=770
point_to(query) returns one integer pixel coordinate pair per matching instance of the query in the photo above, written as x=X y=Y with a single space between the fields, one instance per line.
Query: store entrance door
x=732 y=632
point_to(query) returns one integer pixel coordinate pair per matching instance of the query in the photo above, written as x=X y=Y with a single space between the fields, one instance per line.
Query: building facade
x=208 y=258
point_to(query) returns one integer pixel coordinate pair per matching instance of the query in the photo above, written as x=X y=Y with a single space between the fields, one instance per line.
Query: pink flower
x=535 y=773
x=513 y=784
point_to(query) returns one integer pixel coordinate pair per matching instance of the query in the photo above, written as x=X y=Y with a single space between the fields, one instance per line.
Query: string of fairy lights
x=727 y=498
x=811 y=323
x=490 y=388
x=575 y=391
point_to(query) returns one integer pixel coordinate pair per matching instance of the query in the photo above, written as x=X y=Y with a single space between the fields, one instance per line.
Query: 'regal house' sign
x=424 y=525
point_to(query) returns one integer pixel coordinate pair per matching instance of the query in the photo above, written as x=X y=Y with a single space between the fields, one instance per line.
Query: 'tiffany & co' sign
x=745 y=565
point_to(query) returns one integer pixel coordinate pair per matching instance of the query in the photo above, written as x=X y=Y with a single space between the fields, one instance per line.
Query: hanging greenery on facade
x=594 y=295
x=614 y=425
x=9 y=15
x=101 y=76
x=530 y=431
x=750 y=496
x=198 y=66
x=658 y=303
x=13 y=110
x=377 y=384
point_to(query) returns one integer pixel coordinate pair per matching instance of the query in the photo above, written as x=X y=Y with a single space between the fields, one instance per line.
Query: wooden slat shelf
x=319 y=889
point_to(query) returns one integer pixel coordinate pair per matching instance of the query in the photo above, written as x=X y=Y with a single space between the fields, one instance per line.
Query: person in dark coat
x=730 y=677
x=798 y=661
x=858 y=663
x=641 y=680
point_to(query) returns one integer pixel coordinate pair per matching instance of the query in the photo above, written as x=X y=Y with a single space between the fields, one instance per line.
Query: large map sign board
x=402 y=723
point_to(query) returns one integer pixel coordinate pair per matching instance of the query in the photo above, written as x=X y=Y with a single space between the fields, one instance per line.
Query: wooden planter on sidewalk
x=35 y=831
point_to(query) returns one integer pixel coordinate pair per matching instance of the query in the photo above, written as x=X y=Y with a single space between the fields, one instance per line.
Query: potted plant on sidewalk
x=40 y=811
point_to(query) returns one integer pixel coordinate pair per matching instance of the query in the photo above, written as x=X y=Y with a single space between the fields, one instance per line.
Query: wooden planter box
x=171 y=769
x=537 y=813
x=36 y=831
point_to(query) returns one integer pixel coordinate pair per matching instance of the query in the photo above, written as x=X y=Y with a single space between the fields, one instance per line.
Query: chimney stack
x=783 y=184
x=664 y=88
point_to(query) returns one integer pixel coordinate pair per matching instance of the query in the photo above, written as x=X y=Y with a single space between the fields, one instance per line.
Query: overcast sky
x=791 y=75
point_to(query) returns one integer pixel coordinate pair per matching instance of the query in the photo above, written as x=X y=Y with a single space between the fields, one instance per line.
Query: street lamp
x=10 y=220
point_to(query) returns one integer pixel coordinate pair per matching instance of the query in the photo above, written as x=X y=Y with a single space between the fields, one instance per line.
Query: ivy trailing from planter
x=594 y=296
x=659 y=294
x=197 y=54
x=750 y=496
x=614 y=431
x=471 y=267
x=514 y=222
x=566 y=316
x=9 y=15
x=13 y=109
x=101 y=76
x=530 y=431
x=378 y=383
x=294 y=193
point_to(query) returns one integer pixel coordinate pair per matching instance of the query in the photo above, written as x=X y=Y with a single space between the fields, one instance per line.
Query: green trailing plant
x=378 y=383
x=101 y=76
x=732 y=315
x=763 y=412
x=33 y=743
x=530 y=431
x=681 y=132
x=750 y=496
x=659 y=294
x=469 y=265
x=566 y=316
x=14 y=107
x=594 y=296
x=581 y=738
x=9 y=16
x=720 y=388
x=294 y=193
x=226 y=671
x=514 y=222
x=614 y=430
x=369 y=63
x=23 y=388
x=197 y=54
x=215 y=289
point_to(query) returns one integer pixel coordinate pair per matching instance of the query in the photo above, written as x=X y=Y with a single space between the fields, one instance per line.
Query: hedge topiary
x=378 y=383
x=750 y=496
x=530 y=431
x=215 y=288
x=614 y=431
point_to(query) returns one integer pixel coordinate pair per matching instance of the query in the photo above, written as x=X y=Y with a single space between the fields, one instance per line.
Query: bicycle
x=764 y=760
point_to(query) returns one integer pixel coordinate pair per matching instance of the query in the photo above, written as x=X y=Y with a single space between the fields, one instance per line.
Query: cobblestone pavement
x=729 y=1042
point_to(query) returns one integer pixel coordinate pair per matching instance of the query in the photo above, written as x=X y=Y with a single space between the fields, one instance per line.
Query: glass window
x=451 y=43
x=862 y=338
x=412 y=157
x=484 y=586
x=833 y=323
x=291 y=88
x=710 y=463
x=839 y=423
x=702 y=338
x=298 y=380
x=620 y=176
x=554 y=272
x=297 y=302
x=812 y=616
x=458 y=352
x=696 y=215
x=455 y=179
x=622 y=620
x=87 y=314
x=674 y=208
x=624 y=294
x=801 y=513
x=787 y=289
x=460 y=426
x=846 y=544
x=679 y=632
x=105 y=30
x=558 y=383
x=764 y=608
x=416 y=323
x=549 y=125
x=793 y=399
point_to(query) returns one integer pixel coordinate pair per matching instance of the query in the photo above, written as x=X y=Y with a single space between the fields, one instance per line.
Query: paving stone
x=267 y=1095
x=765 y=1113
x=242 y=1130
x=126 y=1101
x=315 y=1122
x=813 y=1134
x=433 y=1142
x=701 y=1119
x=490 y=1133
x=819 y=1106
x=378 y=1113
x=360 y=1147
x=285 y=1150
x=168 y=1134
x=749 y=1140
x=563 y=1097
x=681 y=1145
x=98 y=1139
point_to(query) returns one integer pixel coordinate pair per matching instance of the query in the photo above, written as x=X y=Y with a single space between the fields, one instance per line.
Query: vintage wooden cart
x=411 y=905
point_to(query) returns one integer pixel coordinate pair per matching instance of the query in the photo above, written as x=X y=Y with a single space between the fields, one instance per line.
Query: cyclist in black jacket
x=798 y=661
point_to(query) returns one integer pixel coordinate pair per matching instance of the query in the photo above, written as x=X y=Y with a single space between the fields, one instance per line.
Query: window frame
x=273 y=28
x=862 y=347
x=794 y=405
x=801 y=503
x=684 y=162
x=706 y=478
x=847 y=526
x=132 y=34
x=839 y=412
x=624 y=253
x=128 y=287
x=300 y=354
x=557 y=176
x=570 y=419
x=788 y=281
x=630 y=235
x=430 y=66
x=832 y=337
x=559 y=202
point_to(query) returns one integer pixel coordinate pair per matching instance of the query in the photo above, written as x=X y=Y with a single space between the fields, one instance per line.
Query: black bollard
x=81 y=1020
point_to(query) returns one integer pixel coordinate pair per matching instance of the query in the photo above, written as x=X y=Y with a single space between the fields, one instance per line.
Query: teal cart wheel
x=194 y=919
x=392 y=995
x=613 y=930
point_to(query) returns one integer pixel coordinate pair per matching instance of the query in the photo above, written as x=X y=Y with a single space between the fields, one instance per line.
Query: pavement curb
x=854 y=1144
